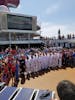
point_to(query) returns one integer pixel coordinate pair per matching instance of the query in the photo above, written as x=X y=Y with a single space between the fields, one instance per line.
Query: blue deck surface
x=25 y=94
x=6 y=93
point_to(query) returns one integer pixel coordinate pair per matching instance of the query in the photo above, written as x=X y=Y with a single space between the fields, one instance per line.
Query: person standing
x=17 y=72
x=22 y=69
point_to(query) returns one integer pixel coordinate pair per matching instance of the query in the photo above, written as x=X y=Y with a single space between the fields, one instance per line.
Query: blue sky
x=51 y=14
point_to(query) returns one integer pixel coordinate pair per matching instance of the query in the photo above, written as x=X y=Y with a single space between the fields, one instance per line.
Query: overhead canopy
x=10 y=3
x=33 y=33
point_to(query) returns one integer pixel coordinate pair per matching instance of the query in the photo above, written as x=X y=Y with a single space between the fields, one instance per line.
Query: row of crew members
x=37 y=62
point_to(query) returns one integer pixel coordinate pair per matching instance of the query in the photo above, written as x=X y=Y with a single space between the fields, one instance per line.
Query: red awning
x=10 y=3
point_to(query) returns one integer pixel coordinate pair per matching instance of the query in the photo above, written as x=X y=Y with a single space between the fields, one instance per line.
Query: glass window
x=19 y=22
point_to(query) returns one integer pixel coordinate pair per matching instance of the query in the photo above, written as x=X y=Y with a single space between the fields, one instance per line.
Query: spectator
x=17 y=71
x=66 y=90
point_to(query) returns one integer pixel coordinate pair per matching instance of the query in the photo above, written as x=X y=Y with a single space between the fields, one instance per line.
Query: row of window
x=19 y=22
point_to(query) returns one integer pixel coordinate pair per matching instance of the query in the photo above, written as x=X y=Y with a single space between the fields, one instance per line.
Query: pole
x=29 y=40
x=10 y=40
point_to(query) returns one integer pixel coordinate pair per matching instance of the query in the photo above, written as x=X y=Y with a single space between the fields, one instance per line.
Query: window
x=19 y=22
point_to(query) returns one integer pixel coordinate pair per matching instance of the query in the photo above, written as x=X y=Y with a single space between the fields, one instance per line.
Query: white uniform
x=39 y=63
x=32 y=65
x=52 y=60
x=56 y=59
x=35 y=61
x=49 y=61
x=28 y=66
x=60 y=60
x=46 y=61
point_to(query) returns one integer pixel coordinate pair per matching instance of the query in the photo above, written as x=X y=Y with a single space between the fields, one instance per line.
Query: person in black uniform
x=22 y=69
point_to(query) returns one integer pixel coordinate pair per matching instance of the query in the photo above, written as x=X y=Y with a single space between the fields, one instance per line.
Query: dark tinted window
x=19 y=22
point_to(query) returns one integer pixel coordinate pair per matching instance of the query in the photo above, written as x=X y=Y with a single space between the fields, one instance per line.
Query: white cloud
x=52 y=9
x=51 y=30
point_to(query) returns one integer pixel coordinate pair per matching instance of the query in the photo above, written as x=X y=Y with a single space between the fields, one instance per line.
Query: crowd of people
x=25 y=63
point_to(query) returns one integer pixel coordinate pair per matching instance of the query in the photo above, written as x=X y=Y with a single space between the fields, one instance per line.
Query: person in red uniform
x=13 y=68
x=5 y=73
